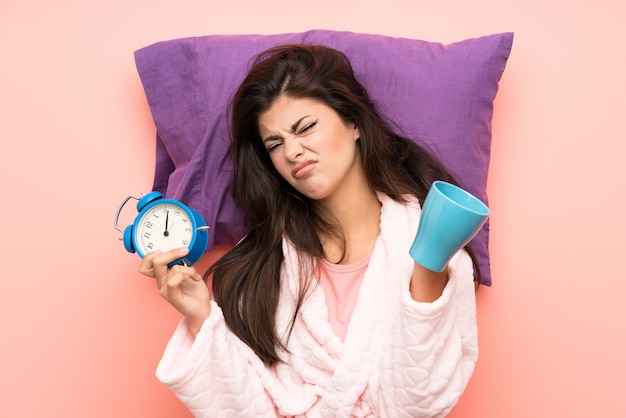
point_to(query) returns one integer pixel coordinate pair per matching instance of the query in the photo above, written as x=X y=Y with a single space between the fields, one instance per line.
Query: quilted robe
x=400 y=358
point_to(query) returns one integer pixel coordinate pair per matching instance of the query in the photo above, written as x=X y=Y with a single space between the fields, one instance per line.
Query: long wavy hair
x=246 y=280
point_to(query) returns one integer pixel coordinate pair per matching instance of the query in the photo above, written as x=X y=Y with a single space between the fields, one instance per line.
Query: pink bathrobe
x=400 y=358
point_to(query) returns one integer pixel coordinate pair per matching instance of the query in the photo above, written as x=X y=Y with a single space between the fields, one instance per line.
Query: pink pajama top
x=341 y=284
x=399 y=357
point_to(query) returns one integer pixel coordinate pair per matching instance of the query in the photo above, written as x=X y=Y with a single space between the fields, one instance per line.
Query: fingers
x=146 y=266
x=156 y=263
x=161 y=262
x=182 y=286
x=175 y=276
x=184 y=289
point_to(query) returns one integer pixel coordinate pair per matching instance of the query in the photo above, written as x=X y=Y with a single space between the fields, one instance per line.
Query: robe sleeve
x=433 y=349
x=214 y=374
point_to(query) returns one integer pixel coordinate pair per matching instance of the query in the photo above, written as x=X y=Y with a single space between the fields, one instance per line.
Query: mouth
x=303 y=169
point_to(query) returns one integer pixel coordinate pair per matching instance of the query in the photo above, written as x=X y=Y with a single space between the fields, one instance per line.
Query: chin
x=314 y=194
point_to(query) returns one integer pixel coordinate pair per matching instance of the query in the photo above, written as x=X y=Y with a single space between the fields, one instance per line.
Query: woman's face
x=311 y=147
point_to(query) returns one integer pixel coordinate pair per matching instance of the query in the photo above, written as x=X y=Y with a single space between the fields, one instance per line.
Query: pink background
x=82 y=331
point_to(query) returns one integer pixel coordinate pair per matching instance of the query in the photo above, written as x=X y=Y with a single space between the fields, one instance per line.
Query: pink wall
x=82 y=331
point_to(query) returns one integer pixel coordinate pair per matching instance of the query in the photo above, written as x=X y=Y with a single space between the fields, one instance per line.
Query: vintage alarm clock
x=164 y=224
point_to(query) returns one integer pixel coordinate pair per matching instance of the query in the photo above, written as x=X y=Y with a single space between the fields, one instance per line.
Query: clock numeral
x=149 y=224
x=185 y=220
x=187 y=229
x=185 y=242
x=146 y=234
x=150 y=246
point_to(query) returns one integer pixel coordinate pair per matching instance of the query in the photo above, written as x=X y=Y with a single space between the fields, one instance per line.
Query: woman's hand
x=427 y=285
x=181 y=286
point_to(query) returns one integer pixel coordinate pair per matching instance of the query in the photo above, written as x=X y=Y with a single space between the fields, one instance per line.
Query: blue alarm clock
x=165 y=224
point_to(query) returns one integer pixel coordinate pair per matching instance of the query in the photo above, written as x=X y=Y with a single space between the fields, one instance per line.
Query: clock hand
x=167 y=217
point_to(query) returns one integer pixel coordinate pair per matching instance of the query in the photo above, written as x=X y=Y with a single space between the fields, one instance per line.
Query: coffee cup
x=450 y=218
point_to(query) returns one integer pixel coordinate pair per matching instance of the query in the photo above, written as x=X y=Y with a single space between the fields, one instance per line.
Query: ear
x=356 y=135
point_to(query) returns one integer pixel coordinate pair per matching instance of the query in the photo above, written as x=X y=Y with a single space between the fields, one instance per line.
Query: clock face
x=163 y=227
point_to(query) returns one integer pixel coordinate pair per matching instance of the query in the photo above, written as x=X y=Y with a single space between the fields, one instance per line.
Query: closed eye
x=307 y=128
x=272 y=147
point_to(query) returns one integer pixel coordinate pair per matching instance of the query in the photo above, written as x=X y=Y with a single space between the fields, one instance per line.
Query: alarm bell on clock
x=164 y=224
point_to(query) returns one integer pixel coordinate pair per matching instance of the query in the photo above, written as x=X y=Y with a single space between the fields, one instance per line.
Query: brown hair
x=246 y=280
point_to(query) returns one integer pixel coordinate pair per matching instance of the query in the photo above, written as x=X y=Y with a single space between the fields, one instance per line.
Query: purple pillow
x=439 y=95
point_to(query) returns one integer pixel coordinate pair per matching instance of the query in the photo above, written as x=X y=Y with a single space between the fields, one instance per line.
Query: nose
x=293 y=147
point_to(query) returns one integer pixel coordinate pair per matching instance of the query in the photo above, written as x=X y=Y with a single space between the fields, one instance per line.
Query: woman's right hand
x=181 y=286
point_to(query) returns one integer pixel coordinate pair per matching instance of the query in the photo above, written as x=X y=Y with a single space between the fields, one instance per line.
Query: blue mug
x=451 y=217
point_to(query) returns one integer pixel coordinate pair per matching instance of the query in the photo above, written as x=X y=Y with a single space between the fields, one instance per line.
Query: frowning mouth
x=303 y=169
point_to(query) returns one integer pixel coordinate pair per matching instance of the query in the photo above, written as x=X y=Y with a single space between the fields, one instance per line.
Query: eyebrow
x=294 y=126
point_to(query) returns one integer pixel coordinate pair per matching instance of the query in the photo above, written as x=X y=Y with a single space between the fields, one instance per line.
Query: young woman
x=320 y=311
